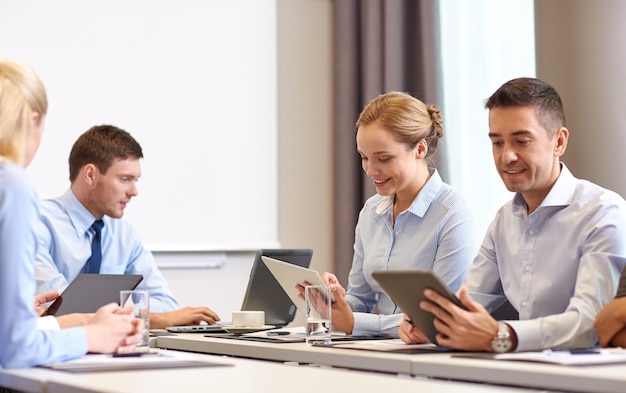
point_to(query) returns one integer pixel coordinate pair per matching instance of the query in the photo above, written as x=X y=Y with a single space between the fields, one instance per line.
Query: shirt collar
x=424 y=198
x=79 y=216
x=561 y=193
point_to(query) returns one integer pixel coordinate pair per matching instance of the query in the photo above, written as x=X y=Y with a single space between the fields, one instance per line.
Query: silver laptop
x=264 y=292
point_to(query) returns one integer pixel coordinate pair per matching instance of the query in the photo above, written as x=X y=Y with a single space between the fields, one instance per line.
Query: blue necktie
x=93 y=263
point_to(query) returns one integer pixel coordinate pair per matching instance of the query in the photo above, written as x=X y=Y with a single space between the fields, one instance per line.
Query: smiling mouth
x=513 y=171
x=379 y=183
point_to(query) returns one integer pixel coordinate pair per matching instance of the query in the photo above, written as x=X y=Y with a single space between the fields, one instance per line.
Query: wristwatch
x=502 y=341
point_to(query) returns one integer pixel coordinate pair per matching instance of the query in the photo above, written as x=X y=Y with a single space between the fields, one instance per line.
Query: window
x=484 y=44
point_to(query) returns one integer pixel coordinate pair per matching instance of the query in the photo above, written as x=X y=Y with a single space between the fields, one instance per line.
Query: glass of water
x=318 y=302
x=140 y=301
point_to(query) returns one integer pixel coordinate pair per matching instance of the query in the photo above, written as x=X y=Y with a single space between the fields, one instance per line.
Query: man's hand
x=183 y=316
x=42 y=299
x=471 y=330
x=610 y=323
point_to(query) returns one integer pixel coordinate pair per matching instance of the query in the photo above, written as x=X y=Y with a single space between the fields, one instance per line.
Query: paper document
x=575 y=357
x=99 y=362
x=394 y=345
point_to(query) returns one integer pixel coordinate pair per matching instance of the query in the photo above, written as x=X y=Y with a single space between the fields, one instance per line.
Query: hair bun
x=435 y=117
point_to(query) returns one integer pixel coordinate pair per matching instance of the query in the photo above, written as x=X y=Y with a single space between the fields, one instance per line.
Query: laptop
x=88 y=292
x=263 y=293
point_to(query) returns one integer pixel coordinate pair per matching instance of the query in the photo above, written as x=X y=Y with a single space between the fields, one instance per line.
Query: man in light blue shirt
x=104 y=169
x=555 y=252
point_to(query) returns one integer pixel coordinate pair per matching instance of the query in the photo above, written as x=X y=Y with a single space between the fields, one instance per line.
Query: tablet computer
x=289 y=275
x=406 y=289
x=265 y=293
x=88 y=292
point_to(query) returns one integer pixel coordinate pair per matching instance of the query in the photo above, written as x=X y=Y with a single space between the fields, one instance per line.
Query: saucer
x=247 y=329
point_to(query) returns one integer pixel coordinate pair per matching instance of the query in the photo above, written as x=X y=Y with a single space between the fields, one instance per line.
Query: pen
x=278 y=333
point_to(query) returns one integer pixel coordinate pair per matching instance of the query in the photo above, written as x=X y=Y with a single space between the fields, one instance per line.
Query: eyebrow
x=376 y=153
x=516 y=133
x=129 y=175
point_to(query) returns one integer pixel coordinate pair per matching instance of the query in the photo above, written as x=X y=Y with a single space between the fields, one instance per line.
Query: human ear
x=421 y=149
x=560 y=141
x=88 y=173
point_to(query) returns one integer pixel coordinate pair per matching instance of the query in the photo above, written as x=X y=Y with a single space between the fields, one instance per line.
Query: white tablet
x=289 y=275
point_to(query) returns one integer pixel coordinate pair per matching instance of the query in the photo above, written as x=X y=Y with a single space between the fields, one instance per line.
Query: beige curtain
x=380 y=45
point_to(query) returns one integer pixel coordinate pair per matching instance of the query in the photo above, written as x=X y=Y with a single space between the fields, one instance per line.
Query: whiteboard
x=194 y=81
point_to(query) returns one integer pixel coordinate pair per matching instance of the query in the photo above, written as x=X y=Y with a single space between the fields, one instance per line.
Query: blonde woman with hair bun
x=23 y=108
x=414 y=222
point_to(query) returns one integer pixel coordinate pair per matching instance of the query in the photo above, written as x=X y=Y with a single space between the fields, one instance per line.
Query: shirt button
x=524 y=303
x=397 y=233
x=527 y=267
x=531 y=232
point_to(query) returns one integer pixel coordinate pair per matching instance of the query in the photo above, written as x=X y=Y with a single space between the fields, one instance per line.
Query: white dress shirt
x=557 y=266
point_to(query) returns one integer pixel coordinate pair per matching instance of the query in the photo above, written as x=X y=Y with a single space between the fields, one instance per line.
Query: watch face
x=501 y=345
x=502 y=341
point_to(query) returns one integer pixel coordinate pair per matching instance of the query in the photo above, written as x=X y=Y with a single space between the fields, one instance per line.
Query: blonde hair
x=408 y=119
x=21 y=94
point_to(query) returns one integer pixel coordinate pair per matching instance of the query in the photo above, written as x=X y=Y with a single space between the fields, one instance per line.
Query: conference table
x=234 y=375
x=446 y=366
x=243 y=365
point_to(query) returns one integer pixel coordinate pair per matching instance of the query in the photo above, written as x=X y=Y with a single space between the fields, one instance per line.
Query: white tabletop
x=593 y=378
x=290 y=352
x=241 y=375
x=596 y=378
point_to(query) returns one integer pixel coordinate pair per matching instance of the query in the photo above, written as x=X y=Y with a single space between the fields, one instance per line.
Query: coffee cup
x=248 y=318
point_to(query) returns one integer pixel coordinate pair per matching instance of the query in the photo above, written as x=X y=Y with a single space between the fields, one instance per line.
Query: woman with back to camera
x=23 y=108
x=414 y=222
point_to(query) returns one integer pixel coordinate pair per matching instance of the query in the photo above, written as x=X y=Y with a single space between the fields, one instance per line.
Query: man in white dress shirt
x=555 y=252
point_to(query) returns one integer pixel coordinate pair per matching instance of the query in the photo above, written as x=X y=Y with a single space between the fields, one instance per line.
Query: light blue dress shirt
x=22 y=344
x=65 y=245
x=438 y=232
x=557 y=266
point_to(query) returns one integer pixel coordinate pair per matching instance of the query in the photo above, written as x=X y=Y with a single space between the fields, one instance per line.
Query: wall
x=580 y=51
x=305 y=161
x=193 y=81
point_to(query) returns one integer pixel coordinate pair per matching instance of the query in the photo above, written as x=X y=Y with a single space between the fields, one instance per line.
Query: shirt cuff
x=528 y=335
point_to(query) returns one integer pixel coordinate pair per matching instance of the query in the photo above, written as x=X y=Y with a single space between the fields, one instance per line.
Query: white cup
x=248 y=318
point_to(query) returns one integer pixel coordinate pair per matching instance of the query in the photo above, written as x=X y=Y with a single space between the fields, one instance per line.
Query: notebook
x=88 y=292
x=263 y=293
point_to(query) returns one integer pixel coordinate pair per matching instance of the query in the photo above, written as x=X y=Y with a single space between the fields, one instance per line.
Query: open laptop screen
x=265 y=293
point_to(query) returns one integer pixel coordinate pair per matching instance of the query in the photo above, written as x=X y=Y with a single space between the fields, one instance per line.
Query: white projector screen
x=194 y=81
